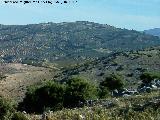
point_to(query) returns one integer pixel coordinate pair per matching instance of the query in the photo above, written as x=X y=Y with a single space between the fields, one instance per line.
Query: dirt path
x=14 y=86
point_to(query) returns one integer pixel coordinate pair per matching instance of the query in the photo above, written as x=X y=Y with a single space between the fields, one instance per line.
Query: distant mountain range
x=155 y=31
x=61 y=41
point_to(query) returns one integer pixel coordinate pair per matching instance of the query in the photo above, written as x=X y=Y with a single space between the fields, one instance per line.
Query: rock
x=154 y=87
x=131 y=92
x=143 y=89
x=115 y=93
x=82 y=117
x=126 y=95
x=158 y=83
x=123 y=92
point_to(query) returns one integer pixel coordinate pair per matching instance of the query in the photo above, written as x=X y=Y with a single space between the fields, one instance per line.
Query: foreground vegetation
x=79 y=99
x=100 y=113
x=123 y=108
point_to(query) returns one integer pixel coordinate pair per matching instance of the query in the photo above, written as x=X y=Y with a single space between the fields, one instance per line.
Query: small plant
x=19 y=116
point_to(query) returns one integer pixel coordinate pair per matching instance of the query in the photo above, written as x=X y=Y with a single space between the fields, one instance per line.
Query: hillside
x=155 y=31
x=17 y=77
x=142 y=105
x=75 y=41
x=129 y=64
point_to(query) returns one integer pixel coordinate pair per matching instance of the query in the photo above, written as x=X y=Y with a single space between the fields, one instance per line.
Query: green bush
x=111 y=82
x=103 y=92
x=6 y=109
x=48 y=96
x=147 y=77
x=19 y=116
x=78 y=91
x=55 y=96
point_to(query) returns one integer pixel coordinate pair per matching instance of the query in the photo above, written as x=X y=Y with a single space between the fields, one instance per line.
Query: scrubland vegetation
x=79 y=99
x=72 y=95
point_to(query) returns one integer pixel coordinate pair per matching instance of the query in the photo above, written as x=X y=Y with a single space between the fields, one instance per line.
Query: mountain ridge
x=154 y=31
x=68 y=40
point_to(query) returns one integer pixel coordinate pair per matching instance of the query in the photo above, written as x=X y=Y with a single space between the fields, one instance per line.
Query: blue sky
x=130 y=14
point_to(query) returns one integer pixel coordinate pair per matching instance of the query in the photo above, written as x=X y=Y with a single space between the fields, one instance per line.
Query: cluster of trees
x=74 y=93
x=55 y=96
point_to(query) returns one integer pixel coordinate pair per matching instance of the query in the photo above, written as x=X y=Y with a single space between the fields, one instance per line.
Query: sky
x=130 y=14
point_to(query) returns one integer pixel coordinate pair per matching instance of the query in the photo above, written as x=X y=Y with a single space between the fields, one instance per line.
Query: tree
x=48 y=96
x=78 y=91
x=112 y=82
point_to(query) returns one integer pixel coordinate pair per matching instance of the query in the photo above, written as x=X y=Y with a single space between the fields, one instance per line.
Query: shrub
x=112 y=82
x=19 y=116
x=147 y=77
x=48 y=96
x=103 y=92
x=78 y=91
x=6 y=109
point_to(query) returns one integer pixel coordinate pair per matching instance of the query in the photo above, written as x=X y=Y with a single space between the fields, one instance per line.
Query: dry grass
x=18 y=77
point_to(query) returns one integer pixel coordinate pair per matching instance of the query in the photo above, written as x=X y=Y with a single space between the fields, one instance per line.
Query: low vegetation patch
x=6 y=109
